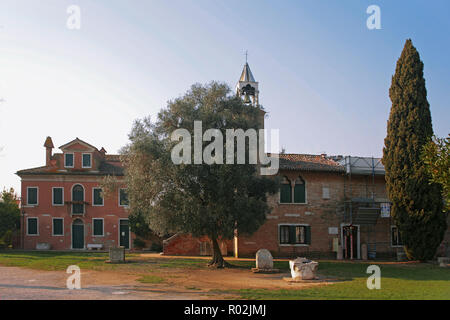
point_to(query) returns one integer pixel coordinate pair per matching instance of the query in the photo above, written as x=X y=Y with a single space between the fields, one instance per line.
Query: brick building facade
x=324 y=201
x=319 y=219
x=63 y=206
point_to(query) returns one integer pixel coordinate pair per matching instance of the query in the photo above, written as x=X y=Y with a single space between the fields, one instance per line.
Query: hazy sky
x=324 y=76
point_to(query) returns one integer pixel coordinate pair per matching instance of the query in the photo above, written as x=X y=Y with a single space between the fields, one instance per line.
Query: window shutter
x=308 y=234
x=32 y=196
x=68 y=160
x=78 y=195
x=32 y=226
x=57 y=227
x=98 y=227
x=87 y=160
x=285 y=193
x=57 y=196
x=98 y=199
x=299 y=193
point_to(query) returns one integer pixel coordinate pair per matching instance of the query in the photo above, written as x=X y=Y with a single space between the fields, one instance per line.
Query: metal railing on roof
x=363 y=165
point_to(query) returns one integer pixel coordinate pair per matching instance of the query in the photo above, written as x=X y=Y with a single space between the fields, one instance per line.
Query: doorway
x=350 y=241
x=124 y=233
x=78 y=234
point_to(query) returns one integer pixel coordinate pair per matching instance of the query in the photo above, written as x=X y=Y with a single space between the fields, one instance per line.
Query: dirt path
x=21 y=283
x=177 y=283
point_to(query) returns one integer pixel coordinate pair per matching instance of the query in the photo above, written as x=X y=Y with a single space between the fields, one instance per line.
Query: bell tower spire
x=247 y=86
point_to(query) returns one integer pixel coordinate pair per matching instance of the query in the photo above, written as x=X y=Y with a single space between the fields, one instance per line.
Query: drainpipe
x=22 y=231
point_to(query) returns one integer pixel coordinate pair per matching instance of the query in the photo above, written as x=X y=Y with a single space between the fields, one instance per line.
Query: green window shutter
x=308 y=234
x=58 y=227
x=87 y=160
x=78 y=193
x=285 y=193
x=299 y=193
x=68 y=160
x=32 y=196
x=98 y=199
x=57 y=196
x=32 y=226
x=98 y=227
x=78 y=196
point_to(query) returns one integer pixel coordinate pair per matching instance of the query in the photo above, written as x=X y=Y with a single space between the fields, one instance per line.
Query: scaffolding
x=362 y=210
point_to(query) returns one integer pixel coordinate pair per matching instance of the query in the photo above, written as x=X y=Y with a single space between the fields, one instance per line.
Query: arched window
x=285 y=191
x=299 y=191
x=78 y=199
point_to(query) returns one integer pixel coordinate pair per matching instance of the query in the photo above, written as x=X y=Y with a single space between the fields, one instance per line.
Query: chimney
x=48 y=150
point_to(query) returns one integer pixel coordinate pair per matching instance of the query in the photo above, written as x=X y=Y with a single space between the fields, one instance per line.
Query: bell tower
x=247 y=86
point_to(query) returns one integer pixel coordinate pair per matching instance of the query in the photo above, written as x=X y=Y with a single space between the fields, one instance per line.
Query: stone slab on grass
x=258 y=270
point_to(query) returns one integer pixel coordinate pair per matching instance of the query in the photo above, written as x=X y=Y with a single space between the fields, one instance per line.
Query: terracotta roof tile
x=113 y=166
x=110 y=166
x=309 y=162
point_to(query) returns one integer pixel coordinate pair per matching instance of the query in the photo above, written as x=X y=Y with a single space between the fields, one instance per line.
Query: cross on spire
x=246 y=55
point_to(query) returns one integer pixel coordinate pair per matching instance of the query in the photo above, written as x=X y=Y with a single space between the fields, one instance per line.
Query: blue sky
x=324 y=76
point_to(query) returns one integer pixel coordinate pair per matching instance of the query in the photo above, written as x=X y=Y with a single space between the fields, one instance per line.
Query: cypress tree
x=416 y=203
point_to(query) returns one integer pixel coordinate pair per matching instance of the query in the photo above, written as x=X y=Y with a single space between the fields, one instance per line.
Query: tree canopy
x=416 y=203
x=436 y=156
x=213 y=200
x=9 y=216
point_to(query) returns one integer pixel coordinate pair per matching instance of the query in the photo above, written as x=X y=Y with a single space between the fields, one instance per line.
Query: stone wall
x=186 y=245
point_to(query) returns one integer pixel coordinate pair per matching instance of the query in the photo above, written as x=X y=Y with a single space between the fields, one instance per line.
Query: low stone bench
x=96 y=246
x=43 y=246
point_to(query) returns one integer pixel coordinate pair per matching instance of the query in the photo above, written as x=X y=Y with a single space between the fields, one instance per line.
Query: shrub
x=139 y=243
x=156 y=247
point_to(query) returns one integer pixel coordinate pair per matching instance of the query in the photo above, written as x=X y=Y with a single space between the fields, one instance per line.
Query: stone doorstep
x=258 y=270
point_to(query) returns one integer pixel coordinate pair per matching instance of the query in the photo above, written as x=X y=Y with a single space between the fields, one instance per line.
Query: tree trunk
x=217 y=260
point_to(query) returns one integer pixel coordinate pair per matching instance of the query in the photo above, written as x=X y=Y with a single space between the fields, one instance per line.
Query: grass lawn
x=59 y=261
x=398 y=281
x=151 y=279
x=55 y=260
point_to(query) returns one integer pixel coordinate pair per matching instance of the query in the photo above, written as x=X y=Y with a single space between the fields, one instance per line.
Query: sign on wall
x=385 y=210
x=333 y=230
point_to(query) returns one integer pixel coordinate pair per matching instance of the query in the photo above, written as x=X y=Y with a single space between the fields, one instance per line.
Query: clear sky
x=324 y=77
